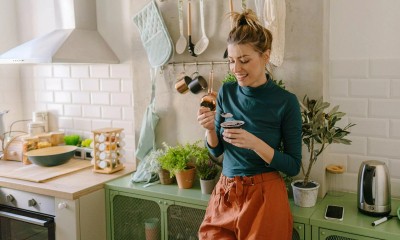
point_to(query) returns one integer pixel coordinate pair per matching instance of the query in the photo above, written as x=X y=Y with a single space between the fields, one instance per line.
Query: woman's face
x=247 y=64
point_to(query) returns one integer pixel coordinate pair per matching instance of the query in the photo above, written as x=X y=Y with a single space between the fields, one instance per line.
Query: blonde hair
x=248 y=30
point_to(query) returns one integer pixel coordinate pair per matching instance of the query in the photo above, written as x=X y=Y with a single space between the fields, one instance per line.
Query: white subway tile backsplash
x=90 y=84
x=81 y=97
x=80 y=71
x=351 y=106
x=111 y=112
x=127 y=85
x=53 y=108
x=394 y=164
x=71 y=84
x=394 y=130
x=99 y=71
x=121 y=70
x=354 y=68
x=385 y=68
x=126 y=125
x=44 y=97
x=128 y=114
x=43 y=71
x=100 y=123
x=110 y=85
x=91 y=111
x=358 y=146
x=65 y=123
x=82 y=124
x=370 y=88
x=370 y=127
x=72 y=110
x=100 y=98
x=384 y=108
x=61 y=71
x=384 y=147
x=53 y=84
x=122 y=99
x=62 y=97
x=395 y=88
x=339 y=88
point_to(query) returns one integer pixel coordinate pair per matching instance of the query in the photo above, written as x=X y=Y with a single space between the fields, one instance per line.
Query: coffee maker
x=373 y=191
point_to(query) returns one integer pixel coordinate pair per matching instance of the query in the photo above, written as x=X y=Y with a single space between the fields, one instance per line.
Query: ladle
x=231 y=20
x=202 y=44
x=191 y=45
x=181 y=43
x=210 y=100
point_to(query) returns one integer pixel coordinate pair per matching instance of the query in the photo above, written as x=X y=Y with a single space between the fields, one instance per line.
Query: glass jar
x=335 y=180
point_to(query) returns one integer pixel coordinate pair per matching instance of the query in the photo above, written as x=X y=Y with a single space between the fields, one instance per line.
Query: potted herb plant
x=319 y=130
x=206 y=169
x=178 y=160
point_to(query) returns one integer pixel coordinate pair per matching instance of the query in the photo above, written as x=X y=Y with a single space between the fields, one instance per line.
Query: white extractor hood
x=77 y=41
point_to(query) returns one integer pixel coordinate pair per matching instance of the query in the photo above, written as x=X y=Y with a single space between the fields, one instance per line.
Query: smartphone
x=334 y=212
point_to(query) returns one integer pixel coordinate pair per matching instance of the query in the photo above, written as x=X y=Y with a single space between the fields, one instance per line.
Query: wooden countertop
x=70 y=186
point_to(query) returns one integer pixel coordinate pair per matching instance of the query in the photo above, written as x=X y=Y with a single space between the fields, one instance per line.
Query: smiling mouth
x=241 y=76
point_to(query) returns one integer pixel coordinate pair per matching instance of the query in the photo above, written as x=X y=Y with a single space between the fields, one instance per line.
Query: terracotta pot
x=207 y=186
x=186 y=177
x=165 y=178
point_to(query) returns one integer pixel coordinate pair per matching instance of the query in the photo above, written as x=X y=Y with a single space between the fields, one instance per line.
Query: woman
x=250 y=200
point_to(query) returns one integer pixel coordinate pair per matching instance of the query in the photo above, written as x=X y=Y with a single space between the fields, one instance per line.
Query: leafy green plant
x=206 y=169
x=229 y=77
x=176 y=158
x=319 y=130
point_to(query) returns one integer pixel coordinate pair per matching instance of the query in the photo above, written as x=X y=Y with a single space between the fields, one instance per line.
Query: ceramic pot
x=207 y=186
x=305 y=197
x=165 y=177
x=186 y=177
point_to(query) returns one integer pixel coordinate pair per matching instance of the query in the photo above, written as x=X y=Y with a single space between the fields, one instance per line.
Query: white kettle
x=373 y=193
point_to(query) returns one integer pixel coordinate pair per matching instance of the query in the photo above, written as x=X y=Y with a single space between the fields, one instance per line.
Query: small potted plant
x=178 y=160
x=319 y=130
x=206 y=169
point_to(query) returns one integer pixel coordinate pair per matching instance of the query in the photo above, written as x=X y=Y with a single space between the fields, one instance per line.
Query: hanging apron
x=147 y=136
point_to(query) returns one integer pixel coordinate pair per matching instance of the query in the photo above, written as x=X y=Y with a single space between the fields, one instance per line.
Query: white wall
x=364 y=79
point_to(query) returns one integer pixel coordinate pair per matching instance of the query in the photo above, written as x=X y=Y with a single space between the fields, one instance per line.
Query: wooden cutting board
x=35 y=173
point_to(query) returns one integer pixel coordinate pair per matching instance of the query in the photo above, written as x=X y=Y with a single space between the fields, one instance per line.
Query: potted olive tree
x=319 y=130
x=206 y=169
x=178 y=160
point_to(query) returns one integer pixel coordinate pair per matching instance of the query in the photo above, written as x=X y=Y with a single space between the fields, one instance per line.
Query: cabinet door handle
x=322 y=233
x=299 y=227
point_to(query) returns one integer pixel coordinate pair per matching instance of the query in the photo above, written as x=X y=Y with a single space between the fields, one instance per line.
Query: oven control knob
x=62 y=205
x=10 y=198
x=32 y=202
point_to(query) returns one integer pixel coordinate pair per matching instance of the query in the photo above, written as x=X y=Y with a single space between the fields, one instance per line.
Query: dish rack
x=108 y=150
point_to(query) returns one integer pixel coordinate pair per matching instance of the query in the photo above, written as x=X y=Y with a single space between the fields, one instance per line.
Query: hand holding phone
x=334 y=212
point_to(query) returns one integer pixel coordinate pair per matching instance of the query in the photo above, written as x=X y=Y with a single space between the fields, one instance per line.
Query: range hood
x=76 y=41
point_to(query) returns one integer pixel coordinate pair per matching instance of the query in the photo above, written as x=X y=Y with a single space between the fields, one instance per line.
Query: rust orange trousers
x=248 y=208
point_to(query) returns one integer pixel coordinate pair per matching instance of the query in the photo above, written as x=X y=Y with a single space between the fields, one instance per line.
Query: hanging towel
x=147 y=136
x=274 y=19
x=154 y=35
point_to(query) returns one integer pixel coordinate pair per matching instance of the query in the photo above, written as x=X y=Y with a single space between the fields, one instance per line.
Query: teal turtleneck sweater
x=271 y=114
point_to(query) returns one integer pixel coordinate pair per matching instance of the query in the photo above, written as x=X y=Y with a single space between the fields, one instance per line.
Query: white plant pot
x=305 y=197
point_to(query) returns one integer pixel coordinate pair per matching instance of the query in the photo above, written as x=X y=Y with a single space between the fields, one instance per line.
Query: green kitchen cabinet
x=180 y=211
x=355 y=225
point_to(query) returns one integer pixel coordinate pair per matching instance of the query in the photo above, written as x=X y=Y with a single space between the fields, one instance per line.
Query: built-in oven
x=25 y=215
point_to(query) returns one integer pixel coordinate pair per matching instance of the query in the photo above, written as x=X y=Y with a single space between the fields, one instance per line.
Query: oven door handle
x=26 y=219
